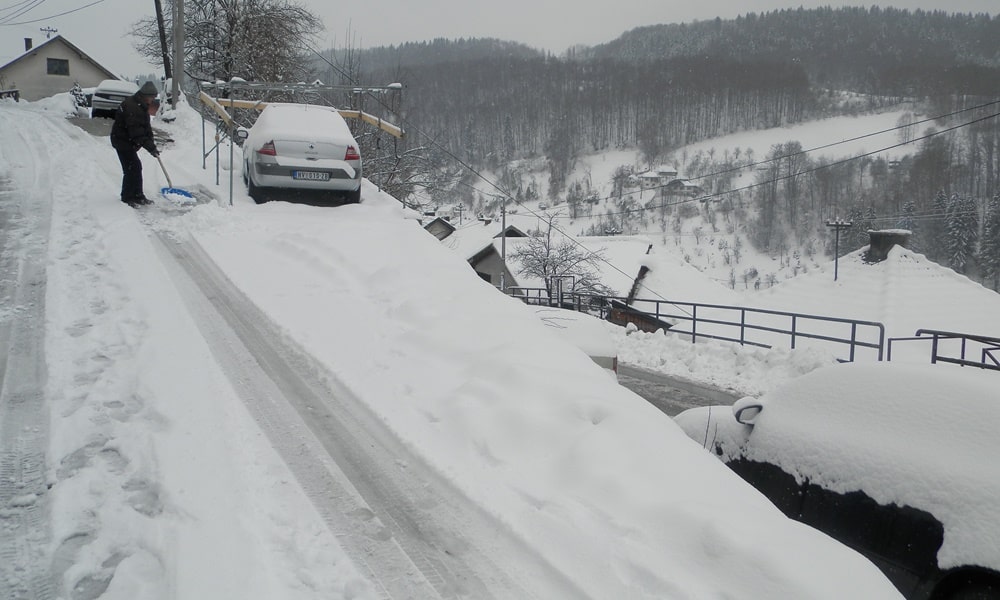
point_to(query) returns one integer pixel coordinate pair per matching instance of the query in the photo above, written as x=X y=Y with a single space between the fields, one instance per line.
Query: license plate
x=311 y=175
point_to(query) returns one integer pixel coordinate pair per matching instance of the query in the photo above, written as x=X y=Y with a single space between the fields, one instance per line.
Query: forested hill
x=872 y=50
x=661 y=88
x=442 y=51
x=672 y=85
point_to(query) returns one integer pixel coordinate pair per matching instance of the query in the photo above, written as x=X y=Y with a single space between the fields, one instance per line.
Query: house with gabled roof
x=479 y=243
x=50 y=68
x=632 y=269
x=657 y=176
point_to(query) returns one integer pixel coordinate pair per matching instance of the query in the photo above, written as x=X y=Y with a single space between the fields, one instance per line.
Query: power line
x=774 y=180
x=16 y=4
x=68 y=12
x=551 y=220
x=832 y=144
x=31 y=4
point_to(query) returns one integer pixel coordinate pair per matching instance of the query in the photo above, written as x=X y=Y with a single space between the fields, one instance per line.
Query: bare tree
x=545 y=258
x=258 y=40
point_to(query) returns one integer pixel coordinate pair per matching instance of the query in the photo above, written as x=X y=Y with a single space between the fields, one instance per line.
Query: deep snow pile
x=920 y=444
x=163 y=485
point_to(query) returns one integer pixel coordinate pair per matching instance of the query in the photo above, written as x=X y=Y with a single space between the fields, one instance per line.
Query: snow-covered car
x=586 y=332
x=304 y=147
x=108 y=95
x=896 y=461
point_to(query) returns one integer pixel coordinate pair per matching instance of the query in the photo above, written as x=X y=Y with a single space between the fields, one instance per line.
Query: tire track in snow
x=413 y=533
x=25 y=213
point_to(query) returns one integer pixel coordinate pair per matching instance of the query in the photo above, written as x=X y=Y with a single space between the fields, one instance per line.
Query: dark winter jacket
x=132 y=129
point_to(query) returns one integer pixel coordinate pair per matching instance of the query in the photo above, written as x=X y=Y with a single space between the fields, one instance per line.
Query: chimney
x=881 y=242
x=27 y=44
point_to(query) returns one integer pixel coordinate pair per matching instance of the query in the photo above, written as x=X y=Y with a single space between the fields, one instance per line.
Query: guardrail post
x=794 y=324
x=934 y=349
x=854 y=339
x=743 y=326
x=694 y=323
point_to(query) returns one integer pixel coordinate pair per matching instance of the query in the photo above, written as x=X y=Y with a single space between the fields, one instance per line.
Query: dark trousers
x=131 y=174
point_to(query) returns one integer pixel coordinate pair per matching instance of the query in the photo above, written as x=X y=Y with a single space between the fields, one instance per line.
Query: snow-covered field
x=169 y=475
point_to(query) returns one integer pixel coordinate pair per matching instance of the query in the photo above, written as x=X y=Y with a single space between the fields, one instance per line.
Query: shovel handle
x=167 y=175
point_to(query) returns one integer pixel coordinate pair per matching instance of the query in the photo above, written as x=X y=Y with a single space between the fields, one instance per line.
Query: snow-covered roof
x=60 y=39
x=905 y=292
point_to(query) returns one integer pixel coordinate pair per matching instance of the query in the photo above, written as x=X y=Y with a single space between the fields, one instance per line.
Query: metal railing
x=988 y=347
x=746 y=326
x=14 y=93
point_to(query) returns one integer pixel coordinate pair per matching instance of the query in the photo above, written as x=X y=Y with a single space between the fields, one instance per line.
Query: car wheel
x=354 y=197
x=252 y=189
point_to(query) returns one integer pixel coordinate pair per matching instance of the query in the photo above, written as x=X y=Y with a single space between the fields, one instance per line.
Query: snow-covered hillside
x=708 y=248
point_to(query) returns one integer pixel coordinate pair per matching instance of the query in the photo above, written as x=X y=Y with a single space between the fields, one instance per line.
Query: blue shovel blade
x=169 y=191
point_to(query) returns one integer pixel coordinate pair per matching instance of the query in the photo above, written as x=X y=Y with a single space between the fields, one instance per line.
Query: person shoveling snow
x=131 y=131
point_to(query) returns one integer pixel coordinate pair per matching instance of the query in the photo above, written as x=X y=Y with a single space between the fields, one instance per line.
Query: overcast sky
x=101 y=29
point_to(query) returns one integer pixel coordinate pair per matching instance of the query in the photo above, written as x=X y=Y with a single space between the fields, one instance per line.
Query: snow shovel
x=178 y=194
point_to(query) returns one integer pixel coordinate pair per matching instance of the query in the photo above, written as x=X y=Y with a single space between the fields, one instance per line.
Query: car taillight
x=352 y=154
x=268 y=149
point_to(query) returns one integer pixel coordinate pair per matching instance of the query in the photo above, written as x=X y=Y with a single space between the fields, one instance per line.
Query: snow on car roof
x=301 y=120
x=117 y=85
x=905 y=434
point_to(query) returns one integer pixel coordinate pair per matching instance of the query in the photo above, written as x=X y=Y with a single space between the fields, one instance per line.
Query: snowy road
x=671 y=395
x=416 y=534
x=411 y=533
x=25 y=205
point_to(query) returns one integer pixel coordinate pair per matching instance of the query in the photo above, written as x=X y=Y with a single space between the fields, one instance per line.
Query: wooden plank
x=373 y=120
x=216 y=107
x=385 y=126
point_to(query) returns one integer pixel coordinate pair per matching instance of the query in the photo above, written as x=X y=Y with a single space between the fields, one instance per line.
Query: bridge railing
x=952 y=347
x=746 y=326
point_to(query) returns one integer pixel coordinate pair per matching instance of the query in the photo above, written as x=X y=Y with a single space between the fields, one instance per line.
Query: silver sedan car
x=302 y=147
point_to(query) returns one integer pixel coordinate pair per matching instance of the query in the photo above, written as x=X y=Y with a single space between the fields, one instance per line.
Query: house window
x=57 y=66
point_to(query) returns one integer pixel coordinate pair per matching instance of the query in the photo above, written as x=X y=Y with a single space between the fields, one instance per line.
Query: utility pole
x=503 y=245
x=177 y=80
x=162 y=30
x=837 y=225
x=48 y=31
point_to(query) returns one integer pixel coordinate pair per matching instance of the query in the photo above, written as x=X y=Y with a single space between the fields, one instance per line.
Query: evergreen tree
x=989 y=249
x=962 y=232
x=906 y=221
x=932 y=239
x=857 y=235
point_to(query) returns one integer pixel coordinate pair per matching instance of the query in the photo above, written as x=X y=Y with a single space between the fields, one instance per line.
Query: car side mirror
x=746 y=410
x=242 y=133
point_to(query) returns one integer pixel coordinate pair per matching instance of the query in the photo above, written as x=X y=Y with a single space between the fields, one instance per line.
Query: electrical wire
x=550 y=219
x=776 y=179
x=832 y=144
x=15 y=5
x=32 y=4
x=68 y=12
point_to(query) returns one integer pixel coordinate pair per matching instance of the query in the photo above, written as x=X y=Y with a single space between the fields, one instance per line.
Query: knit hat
x=148 y=89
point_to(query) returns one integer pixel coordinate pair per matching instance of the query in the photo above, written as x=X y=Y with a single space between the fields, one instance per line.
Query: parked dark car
x=896 y=461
